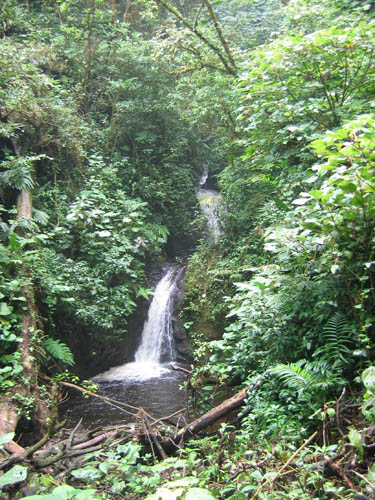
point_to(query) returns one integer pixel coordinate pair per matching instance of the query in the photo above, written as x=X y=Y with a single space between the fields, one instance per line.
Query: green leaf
x=315 y=193
x=165 y=494
x=368 y=379
x=347 y=187
x=130 y=450
x=199 y=494
x=87 y=473
x=168 y=463
x=63 y=492
x=5 y=310
x=14 y=242
x=15 y=475
x=58 y=350
x=356 y=440
x=6 y=438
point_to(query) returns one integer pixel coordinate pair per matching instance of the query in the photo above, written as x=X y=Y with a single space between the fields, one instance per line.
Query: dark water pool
x=159 y=396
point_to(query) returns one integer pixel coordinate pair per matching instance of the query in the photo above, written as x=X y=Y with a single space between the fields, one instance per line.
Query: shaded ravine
x=149 y=381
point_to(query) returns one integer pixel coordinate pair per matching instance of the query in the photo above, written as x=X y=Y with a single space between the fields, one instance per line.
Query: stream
x=149 y=381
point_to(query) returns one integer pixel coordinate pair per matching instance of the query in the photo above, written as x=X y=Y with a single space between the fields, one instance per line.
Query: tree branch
x=226 y=61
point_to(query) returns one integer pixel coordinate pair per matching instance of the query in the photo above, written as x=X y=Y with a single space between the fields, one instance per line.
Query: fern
x=40 y=216
x=308 y=376
x=58 y=350
x=337 y=337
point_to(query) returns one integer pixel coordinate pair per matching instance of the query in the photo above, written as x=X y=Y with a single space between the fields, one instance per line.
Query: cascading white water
x=157 y=331
x=209 y=202
x=157 y=343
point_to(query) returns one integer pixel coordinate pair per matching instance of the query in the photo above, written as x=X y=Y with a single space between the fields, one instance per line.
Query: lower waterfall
x=157 y=342
x=148 y=382
x=157 y=347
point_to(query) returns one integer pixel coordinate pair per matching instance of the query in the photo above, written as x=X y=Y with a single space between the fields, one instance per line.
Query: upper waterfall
x=209 y=203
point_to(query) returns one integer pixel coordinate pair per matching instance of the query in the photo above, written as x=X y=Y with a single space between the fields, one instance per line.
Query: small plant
x=368 y=406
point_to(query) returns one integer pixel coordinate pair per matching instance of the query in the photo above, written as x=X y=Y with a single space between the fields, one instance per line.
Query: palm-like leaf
x=314 y=376
x=58 y=350
x=337 y=337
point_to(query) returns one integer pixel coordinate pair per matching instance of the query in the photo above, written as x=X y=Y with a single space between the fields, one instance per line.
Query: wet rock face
x=184 y=355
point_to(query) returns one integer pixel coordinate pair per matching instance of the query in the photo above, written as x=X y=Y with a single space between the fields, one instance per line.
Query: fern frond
x=40 y=216
x=58 y=350
x=294 y=375
x=337 y=338
x=312 y=376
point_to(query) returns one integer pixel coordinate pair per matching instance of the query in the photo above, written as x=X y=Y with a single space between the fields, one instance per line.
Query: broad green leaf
x=199 y=494
x=368 y=379
x=347 y=187
x=5 y=310
x=168 y=463
x=14 y=242
x=15 y=475
x=356 y=440
x=87 y=494
x=87 y=473
x=63 y=492
x=316 y=193
x=6 y=438
x=164 y=494
x=130 y=450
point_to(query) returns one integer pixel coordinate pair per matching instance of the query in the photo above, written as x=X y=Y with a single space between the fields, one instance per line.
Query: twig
x=287 y=463
x=148 y=437
x=364 y=478
x=62 y=456
x=290 y=460
x=71 y=437
x=341 y=473
x=155 y=439
x=338 y=412
x=168 y=417
x=180 y=368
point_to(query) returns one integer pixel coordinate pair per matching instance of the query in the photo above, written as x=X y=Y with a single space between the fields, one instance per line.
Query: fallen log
x=204 y=421
x=211 y=416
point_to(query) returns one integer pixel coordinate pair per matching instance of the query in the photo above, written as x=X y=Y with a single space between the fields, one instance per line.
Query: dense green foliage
x=108 y=113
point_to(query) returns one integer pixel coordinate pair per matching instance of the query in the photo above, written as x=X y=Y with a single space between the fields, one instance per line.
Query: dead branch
x=20 y=457
x=181 y=368
x=154 y=439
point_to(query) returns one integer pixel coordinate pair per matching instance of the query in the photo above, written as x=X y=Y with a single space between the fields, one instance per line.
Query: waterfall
x=157 y=342
x=157 y=336
x=209 y=203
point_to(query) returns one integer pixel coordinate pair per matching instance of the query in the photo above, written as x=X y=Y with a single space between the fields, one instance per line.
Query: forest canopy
x=109 y=113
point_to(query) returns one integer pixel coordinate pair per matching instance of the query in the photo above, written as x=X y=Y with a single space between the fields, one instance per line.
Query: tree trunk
x=28 y=385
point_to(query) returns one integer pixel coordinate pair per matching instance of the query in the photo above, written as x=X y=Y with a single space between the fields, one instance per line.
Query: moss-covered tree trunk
x=26 y=392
